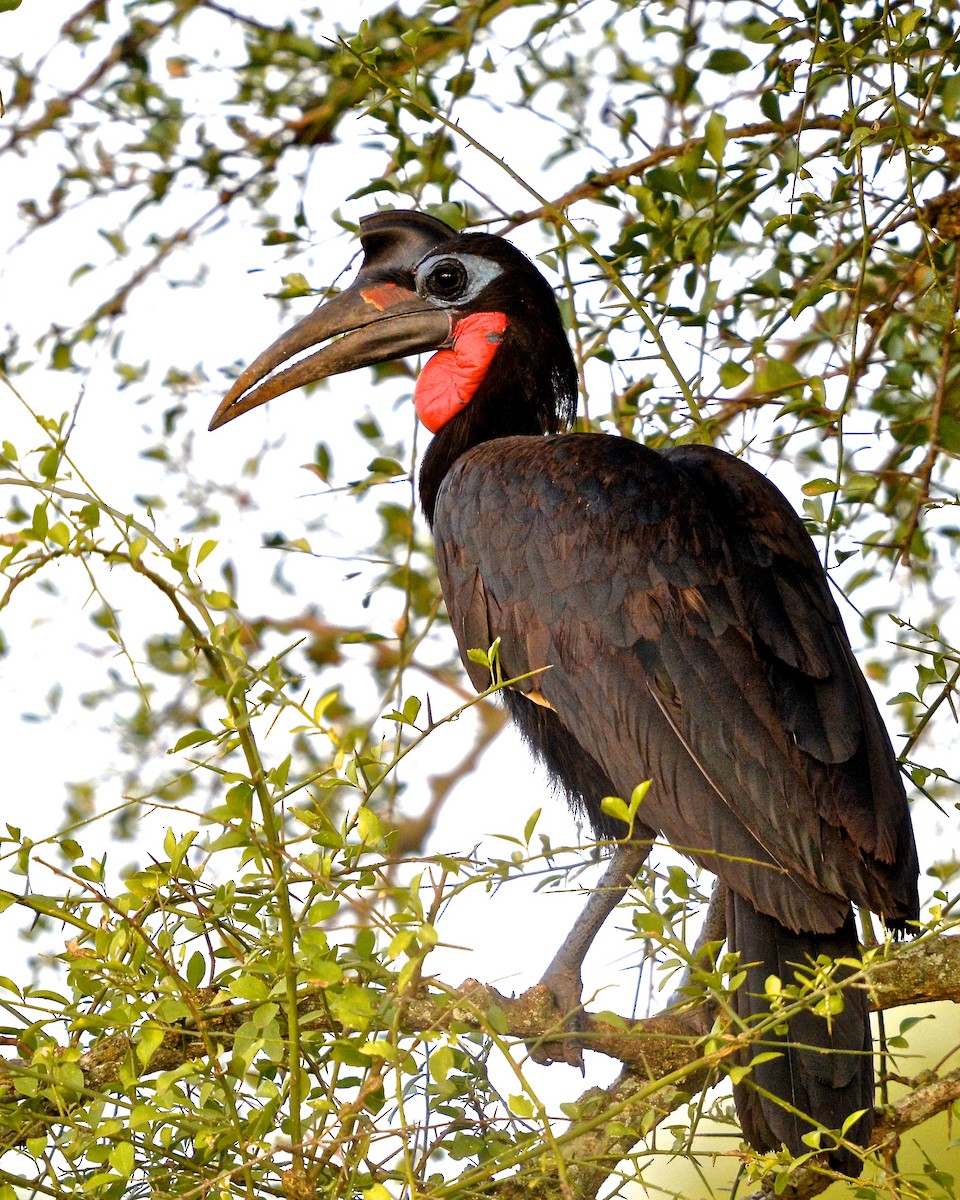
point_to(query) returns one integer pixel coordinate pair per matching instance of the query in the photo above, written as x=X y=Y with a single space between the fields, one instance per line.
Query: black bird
x=672 y=622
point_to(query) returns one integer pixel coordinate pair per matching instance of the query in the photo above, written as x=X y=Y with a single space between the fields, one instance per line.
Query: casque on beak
x=378 y=318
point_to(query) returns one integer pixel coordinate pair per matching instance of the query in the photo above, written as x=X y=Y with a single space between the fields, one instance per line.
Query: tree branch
x=595 y=185
x=663 y=1057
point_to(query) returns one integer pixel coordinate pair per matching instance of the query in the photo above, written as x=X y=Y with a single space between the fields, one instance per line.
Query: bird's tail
x=823 y=1065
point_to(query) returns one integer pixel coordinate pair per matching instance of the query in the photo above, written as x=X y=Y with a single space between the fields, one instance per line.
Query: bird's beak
x=374 y=320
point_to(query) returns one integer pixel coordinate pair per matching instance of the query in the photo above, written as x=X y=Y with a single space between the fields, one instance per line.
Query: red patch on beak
x=449 y=380
x=385 y=295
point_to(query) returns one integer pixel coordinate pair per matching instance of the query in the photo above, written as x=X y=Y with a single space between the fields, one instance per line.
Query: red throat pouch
x=449 y=380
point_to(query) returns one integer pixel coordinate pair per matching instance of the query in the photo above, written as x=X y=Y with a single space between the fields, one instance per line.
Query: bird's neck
x=464 y=431
x=525 y=393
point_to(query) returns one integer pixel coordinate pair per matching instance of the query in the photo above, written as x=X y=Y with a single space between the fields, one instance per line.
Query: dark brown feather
x=670 y=643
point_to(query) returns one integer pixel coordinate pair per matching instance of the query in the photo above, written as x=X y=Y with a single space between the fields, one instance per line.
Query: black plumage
x=673 y=623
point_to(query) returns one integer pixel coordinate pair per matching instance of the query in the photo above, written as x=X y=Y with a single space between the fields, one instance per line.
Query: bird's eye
x=454 y=278
x=447 y=280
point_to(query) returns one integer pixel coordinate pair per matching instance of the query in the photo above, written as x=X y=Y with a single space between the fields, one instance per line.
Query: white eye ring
x=477 y=273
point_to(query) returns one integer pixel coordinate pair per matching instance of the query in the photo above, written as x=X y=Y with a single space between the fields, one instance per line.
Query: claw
x=566 y=988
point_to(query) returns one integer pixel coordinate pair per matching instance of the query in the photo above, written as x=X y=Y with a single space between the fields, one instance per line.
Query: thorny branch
x=663 y=1056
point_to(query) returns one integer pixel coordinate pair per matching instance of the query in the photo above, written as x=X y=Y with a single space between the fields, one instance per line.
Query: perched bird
x=666 y=618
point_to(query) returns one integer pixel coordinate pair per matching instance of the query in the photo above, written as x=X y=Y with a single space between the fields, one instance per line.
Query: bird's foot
x=566 y=988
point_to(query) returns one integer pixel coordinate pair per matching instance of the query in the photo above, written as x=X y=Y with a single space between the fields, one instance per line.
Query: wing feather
x=691 y=639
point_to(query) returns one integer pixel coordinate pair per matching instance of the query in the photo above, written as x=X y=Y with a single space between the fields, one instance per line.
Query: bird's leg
x=713 y=929
x=563 y=976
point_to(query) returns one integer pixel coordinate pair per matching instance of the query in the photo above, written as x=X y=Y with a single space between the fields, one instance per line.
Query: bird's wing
x=819 y=690
x=683 y=631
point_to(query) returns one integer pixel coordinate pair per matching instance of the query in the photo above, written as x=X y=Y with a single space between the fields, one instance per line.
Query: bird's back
x=683 y=631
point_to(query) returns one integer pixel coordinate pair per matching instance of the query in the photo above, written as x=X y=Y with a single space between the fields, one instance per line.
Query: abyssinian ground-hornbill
x=687 y=628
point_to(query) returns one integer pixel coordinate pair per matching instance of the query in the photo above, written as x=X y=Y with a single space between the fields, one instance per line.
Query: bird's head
x=503 y=364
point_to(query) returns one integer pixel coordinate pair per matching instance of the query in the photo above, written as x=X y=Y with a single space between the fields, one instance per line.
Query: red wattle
x=449 y=380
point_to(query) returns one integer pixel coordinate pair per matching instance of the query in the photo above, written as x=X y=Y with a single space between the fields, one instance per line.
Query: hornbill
x=666 y=617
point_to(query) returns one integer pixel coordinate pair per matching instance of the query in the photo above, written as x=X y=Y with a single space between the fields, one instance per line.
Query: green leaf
x=368 y=826
x=386 y=466
x=141 y=1115
x=196 y=737
x=196 y=969
x=860 y=487
x=409 y=714
x=249 y=987
x=219 y=600
x=441 y=1063
x=176 y=848
x=352 y=1006
x=50 y=462
x=40 y=525
x=678 y=882
x=115 y=240
x=650 y=923
x=613 y=806
x=123 y=1159
x=322 y=911
x=59 y=534
x=497 y=1019
x=820 y=487
x=60 y=359
x=326 y=973
x=149 y=1040
x=727 y=62
x=862 y=133
x=716 y=137
x=295 y=284
x=951 y=97
x=829 y=1006
x=851 y=1120
x=637 y=796
x=406 y=973
x=399 y=943
x=521 y=1105
x=774 y=375
x=461 y=83
x=732 y=374
x=770 y=105
x=808 y=297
